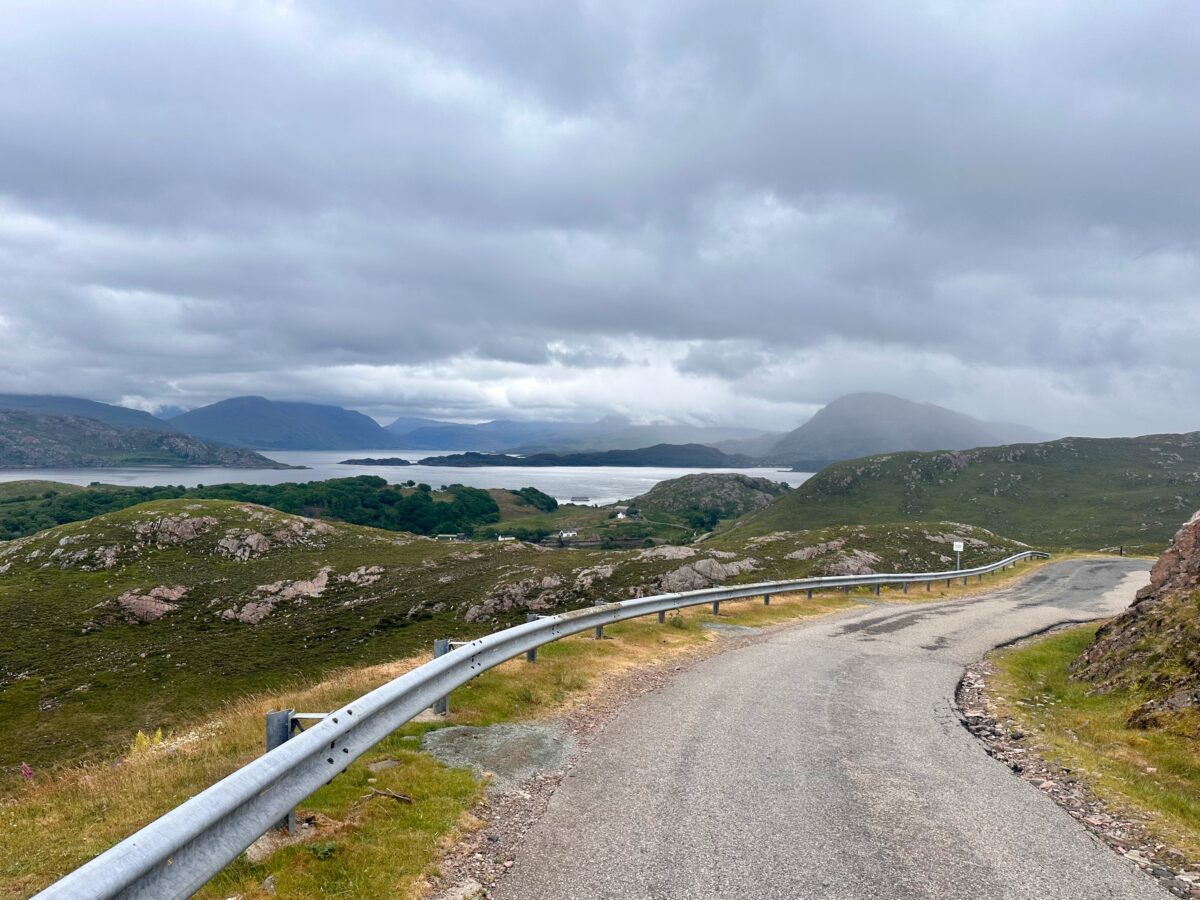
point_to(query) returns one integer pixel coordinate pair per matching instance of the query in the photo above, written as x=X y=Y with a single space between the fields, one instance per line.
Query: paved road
x=827 y=762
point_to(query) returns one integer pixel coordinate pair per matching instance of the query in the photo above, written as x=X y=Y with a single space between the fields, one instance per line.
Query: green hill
x=40 y=440
x=150 y=616
x=703 y=499
x=1074 y=492
x=276 y=425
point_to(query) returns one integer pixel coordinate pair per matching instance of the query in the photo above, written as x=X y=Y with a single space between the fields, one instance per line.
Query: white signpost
x=958 y=549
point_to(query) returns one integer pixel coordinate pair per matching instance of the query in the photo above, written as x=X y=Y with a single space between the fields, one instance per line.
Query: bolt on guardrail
x=175 y=855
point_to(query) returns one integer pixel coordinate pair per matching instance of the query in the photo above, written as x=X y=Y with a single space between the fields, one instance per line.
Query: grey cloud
x=199 y=197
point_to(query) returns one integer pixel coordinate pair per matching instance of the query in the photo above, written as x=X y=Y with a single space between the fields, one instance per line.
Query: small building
x=622 y=515
x=568 y=533
x=505 y=537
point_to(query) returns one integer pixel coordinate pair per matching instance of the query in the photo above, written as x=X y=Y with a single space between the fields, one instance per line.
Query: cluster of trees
x=25 y=514
x=537 y=499
x=363 y=500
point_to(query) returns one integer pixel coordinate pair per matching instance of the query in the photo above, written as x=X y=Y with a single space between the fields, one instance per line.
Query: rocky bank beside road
x=1154 y=645
x=1126 y=831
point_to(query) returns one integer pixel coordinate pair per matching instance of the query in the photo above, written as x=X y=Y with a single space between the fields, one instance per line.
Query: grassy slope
x=1157 y=771
x=83 y=677
x=1075 y=492
x=30 y=490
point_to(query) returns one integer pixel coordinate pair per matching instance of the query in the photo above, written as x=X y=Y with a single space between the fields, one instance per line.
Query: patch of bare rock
x=153 y=604
x=1124 y=831
x=704 y=573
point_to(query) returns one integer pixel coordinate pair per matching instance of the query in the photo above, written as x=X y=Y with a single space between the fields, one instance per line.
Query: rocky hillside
x=41 y=440
x=1153 y=648
x=716 y=496
x=138 y=618
x=55 y=405
x=276 y=425
x=1075 y=492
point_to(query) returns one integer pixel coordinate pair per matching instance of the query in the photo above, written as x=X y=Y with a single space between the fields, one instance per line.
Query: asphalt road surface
x=827 y=762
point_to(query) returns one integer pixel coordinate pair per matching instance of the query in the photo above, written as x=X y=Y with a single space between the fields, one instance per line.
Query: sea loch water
x=600 y=484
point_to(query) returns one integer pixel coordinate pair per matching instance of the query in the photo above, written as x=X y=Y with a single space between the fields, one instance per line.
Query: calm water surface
x=600 y=484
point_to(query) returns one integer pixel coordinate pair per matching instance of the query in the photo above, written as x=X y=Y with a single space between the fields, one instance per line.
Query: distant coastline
x=660 y=455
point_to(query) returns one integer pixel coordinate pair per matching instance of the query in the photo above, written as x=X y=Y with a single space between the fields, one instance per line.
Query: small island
x=682 y=456
x=371 y=461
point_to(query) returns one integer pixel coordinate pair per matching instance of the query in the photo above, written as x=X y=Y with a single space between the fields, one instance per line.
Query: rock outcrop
x=1154 y=645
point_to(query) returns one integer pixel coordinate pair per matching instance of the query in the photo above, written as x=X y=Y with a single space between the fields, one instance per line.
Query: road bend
x=827 y=761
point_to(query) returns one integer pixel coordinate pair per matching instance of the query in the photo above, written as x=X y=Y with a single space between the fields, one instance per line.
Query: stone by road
x=828 y=762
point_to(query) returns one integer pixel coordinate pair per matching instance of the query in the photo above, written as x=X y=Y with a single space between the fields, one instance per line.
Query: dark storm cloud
x=711 y=210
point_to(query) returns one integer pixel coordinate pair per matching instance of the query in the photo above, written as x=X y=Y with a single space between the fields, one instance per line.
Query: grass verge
x=1156 y=773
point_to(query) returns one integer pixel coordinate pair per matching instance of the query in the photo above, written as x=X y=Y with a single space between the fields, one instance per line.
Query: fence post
x=531 y=653
x=279 y=729
x=441 y=705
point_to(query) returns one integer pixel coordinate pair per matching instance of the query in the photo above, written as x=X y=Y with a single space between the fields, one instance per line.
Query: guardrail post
x=599 y=628
x=279 y=729
x=906 y=587
x=531 y=653
x=928 y=586
x=810 y=593
x=877 y=589
x=766 y=599
x=662 y=616
x=441 y=705
x=716 y=607
x=965 y=578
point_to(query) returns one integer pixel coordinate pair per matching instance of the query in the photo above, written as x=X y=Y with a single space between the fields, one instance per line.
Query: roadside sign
x=958 y=546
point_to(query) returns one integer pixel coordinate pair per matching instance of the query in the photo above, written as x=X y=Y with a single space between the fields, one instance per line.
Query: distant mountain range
x=866 y=424
x=277 y=425
x=850 y=427
x=39 y=440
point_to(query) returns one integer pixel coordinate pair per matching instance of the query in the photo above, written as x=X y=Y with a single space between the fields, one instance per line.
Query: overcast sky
x=706 y=212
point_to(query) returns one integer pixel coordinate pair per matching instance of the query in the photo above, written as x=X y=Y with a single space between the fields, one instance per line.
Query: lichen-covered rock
x=363 y=575
x=585 y=578
x=271 y=595
x=529 y=593
x=242 y=544
x=852 y=562
x=817 y=550
x=153 y=604
x=704 y=573
x=170 y=531
x=667 y=551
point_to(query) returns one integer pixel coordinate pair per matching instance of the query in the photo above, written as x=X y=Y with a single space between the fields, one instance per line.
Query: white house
x=568 y=533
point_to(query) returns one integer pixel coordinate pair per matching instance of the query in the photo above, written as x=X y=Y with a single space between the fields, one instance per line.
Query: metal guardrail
x=176 y=854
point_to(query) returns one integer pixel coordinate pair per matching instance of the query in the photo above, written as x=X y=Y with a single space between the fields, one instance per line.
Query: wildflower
x=26 y=772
